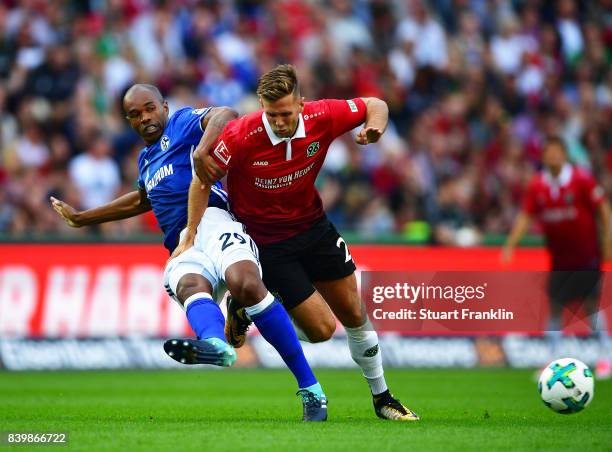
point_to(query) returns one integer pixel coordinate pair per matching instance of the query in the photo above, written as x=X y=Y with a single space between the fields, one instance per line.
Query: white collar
x=564 y=178
x=300 y=132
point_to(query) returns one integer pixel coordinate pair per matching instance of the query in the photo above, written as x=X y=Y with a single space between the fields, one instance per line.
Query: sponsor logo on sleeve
x=222 y=153
x=352 y=106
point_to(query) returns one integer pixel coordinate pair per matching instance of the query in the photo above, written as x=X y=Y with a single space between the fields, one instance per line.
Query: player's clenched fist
x=67 y=212
x=368 y=135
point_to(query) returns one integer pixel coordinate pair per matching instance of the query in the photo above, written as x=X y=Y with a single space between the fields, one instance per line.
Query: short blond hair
x=278 y=83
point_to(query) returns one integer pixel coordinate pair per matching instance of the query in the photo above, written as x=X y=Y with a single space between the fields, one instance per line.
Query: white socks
x=554 y=336
x=196 y=296
x=599 y=329
x=259 y=307
x=363 y=344
x=599 y=325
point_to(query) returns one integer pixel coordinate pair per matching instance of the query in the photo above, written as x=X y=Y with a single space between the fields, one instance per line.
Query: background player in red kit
x=567 y=201
x=272 y=158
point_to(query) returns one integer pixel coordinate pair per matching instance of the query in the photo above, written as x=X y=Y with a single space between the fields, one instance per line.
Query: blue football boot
x=206 y=351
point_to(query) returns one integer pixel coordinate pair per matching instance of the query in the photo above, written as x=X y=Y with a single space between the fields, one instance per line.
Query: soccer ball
x=566 y=386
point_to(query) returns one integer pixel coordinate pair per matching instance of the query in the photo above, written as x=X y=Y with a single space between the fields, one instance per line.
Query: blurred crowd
x=473 y=87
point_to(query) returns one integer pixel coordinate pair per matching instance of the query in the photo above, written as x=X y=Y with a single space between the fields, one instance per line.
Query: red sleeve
x=529 y=202
x=595 y=194
x=225 y=150
x=346 y=114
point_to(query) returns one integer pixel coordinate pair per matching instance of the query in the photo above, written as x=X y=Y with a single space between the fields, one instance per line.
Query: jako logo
x=260 y=163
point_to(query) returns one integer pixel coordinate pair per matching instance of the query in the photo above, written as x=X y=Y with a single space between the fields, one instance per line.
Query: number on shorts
x=341 y=243
x=226 y=236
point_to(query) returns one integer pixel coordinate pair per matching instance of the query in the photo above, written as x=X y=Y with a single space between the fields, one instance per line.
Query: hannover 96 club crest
x=312 y=149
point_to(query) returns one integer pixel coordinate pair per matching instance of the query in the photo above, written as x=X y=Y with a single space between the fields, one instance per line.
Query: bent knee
x=191 y=284
x=353 y=317
x=248 y=290
x=323 y=332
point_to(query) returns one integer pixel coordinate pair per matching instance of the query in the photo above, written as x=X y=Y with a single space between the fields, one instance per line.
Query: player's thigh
x=225 y=242
x=327 y=258
x=589 y=284
x=580 y=285
x=235 y=257
x=330 y=266
x=314 y=318
x=188 y=274
x=343 y=298
x=284 y=276
x=243 y=280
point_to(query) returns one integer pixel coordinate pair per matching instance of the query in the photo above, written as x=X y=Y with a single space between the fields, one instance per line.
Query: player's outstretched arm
x=377 y=117
x=126 y=206
x=212 y=124
x=198 y=200
x=519 y=229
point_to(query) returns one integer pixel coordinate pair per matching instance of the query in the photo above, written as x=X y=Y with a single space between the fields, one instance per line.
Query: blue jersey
x=165 y=170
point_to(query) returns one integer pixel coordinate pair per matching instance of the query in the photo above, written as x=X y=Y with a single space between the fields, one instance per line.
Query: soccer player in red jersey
x=567 y=201
x=272 y=158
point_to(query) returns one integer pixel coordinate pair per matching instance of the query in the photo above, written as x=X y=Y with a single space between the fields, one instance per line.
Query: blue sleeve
x=189 y=121
x=140 y=185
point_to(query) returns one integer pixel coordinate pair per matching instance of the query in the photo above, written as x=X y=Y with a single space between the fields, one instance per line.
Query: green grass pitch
x=235 y=409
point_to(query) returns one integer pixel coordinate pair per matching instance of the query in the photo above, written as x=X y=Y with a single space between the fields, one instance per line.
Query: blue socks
x=275 y=326
x=206 y=320
x=205 y=316
x=315 y=389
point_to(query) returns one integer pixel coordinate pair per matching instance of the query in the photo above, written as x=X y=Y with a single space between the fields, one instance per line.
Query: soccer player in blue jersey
x=221 y=250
